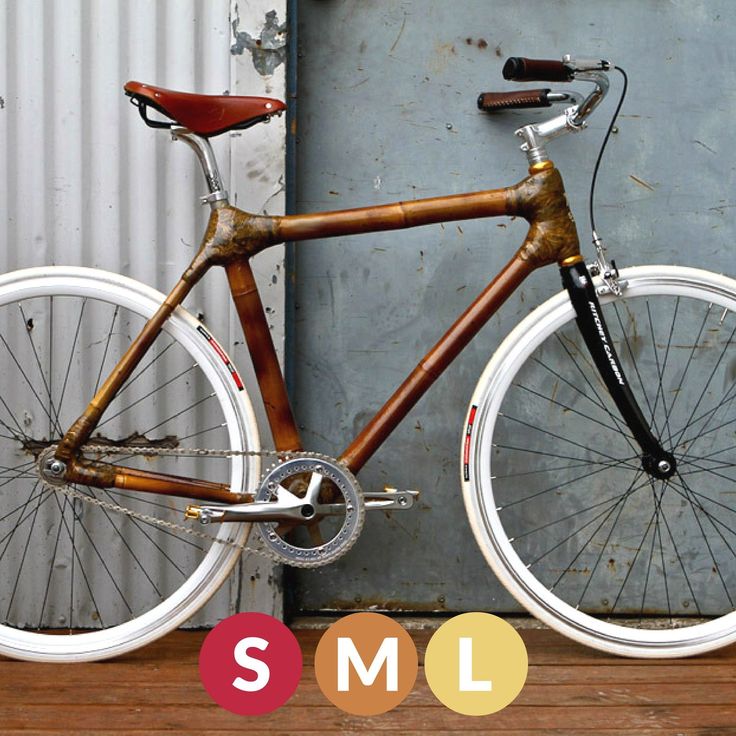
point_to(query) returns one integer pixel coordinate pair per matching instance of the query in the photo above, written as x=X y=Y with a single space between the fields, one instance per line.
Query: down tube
x=431 y=367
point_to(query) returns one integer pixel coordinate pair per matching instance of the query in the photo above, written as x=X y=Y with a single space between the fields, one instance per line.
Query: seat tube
x=263 y=354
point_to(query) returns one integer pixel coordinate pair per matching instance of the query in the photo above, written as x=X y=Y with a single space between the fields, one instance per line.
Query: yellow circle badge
x=476 y=664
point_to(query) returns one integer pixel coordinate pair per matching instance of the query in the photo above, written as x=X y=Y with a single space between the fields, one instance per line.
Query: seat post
x=201 y=146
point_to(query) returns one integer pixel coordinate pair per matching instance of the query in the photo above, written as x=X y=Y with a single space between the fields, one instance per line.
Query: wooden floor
x=570 y=690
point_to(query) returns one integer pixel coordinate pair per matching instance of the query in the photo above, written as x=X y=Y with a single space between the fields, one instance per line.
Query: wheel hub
x=664 y=466
x=50 y=469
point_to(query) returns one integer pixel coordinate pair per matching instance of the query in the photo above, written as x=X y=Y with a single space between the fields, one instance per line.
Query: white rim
x=484 y=518
x=243 y=433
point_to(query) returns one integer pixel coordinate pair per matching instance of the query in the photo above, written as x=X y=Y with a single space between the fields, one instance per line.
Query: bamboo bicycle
x=608 y=406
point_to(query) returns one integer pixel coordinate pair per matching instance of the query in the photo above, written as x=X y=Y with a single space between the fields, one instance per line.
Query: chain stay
x=186 y=452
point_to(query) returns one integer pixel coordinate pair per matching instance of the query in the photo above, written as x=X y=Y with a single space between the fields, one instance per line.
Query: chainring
x=320 y=479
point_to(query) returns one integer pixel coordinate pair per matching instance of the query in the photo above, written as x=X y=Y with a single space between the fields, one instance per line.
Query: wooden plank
x=188 y=693
x=255 y=730
x=545 y=646
x=320 y=719
x=570 y=690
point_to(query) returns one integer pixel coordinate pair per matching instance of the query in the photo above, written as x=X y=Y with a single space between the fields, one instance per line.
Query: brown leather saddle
x=205 y=115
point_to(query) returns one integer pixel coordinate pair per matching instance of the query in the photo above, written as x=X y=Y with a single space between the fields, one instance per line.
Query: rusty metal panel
x=84 y=182
x=387 y=111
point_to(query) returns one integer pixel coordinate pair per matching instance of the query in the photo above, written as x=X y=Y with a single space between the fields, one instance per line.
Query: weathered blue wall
x=387 y=111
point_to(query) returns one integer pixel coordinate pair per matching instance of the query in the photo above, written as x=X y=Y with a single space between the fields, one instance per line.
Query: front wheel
x=565 y=514
x=79 y=581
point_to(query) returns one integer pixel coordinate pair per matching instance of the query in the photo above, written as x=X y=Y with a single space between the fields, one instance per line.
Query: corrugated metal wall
x=84 y=182
x=386 y=112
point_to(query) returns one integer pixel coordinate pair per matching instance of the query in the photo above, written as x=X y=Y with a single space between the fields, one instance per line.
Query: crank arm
x=389 y=499
x=292 y=508
x=254 y=511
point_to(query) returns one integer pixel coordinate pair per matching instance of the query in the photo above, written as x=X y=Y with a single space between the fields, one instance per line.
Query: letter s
x=263 y=673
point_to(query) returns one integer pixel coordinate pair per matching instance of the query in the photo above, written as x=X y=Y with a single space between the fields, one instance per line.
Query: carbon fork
x=579 y=285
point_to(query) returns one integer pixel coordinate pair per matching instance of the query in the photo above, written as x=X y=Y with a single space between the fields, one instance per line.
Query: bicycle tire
x=553 y=485
x=53 y=357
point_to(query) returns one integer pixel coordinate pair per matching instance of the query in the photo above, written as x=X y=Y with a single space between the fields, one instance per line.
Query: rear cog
x=333 y=511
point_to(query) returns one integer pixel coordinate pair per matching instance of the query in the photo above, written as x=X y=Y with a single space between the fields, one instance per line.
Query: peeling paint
x=268 y=50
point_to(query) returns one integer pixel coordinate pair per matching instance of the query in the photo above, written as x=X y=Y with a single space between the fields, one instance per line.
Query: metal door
x=387 y=111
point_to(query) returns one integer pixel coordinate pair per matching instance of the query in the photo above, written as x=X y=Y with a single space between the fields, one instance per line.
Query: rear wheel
x=559 y=502
x=81 y=582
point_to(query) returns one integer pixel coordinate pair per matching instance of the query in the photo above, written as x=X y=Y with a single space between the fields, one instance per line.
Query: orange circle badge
x=366 y=664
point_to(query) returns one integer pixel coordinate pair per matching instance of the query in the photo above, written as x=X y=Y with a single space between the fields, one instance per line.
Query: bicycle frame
x=234 y=236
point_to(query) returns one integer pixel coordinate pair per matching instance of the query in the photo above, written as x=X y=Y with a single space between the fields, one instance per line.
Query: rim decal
x=223 y=355
x=466 y=447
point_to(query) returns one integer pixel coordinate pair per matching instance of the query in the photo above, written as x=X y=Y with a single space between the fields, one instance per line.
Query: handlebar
x=521 y=69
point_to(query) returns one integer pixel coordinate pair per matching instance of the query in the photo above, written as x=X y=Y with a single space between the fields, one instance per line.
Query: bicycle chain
x=185 y=452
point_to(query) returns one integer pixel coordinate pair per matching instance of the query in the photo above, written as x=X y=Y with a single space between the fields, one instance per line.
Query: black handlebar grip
x=516 y=100
x=519 y=69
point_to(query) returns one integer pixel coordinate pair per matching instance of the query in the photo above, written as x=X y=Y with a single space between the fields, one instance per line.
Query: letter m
x=347 y=654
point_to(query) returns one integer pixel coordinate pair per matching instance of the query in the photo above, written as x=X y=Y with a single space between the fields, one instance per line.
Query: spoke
x=725 y=401
x=621 y=500
x=144 y=369
x=23 y=558
x=633 y=563
x=52 y=566
x=707 y=543
x=562 y=484
x=661 y=369
x=21 y=505
x=552 y=469
x=11 y=437
x=127 y=545
x=560 y=519
x=710 y=431
x=690 y=358
x=570 y=409
x=23 y=471
x=72 y=538
x=557 y=436
x=602 y=550
x=679 y=559
x=625 y=334
x=75 y=554
x=27 y=380
x=710 y=455
x=162 y=530
x=55 y=419
x=649 y=565
x=9 y=536
x=687 y=492
x=71 y=355
x=99 y=557
x=705 y=389
x=107 y=347
x=713 y=471
x=15 y=421
x=616 y=420
x=179 y=413
x=137 y=524
x=658 y=532
x=150 y=393
x=584 y=526
x=204 y=431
